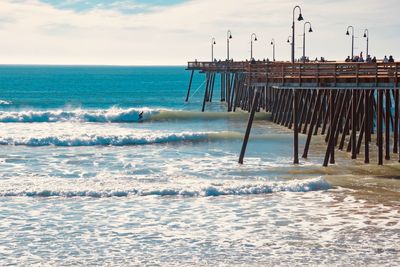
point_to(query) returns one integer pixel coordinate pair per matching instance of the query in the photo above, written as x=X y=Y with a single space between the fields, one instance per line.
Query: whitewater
x=106 y=166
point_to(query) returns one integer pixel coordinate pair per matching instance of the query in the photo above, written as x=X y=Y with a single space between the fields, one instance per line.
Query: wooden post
x=205 y=93
x=379 y=127
x=222 y=87
x=233 y=85
x=228 y=90
x=249 y=125
x=320 y=116
x=332 y=123
x=287 y=109
x=366 y=126
x=304 y=93
x=396 y=121
x=309 y=110
x=313 y=122
x=212 y=86
x=289 y=113
x=326 y=115
x=372 y=111
x=342 y=115
x=346 y=125
x=335 y=102
x=330 y=151
x=295 y=128
x=189 y=87
x=361 y=135
x=281 y=93
x=387 y=124
x=354 y=125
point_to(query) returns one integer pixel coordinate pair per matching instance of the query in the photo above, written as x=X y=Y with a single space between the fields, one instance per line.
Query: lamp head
x=272 y=43
x=230 y=36
x=310 y=30
x=347 y=33
x=255 y=39
x=300 y=17
x=288 y=40
x=365 y=35
x=215 y=42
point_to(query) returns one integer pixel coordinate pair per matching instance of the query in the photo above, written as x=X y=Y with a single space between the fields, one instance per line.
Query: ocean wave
x=101 y=115
x=114 y=115
x=211 y=190
x=5 y=102
x=64 y=139
x=104 y=140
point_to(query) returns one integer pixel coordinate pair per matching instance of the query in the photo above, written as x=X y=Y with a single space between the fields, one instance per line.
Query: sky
x=172 y=32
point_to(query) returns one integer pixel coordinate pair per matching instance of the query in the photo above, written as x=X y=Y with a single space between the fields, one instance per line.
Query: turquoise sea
x=86 y=180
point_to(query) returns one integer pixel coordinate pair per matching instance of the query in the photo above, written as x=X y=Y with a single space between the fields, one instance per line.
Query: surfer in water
x=140 y=116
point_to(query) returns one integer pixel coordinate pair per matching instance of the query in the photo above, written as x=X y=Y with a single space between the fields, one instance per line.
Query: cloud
x=124 y=6
x=43 y=33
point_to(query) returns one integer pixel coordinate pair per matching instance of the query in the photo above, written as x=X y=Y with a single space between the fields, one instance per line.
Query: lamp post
x=352 y=40
x=366 y=35
x=252 y=37
x=304 y=39
x=212 y=48
x=228 y=37
x=273 y=49
x=288 y=40
x=300 y=18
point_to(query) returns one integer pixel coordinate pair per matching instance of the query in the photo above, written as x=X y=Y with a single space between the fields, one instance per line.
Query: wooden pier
x=354 y=105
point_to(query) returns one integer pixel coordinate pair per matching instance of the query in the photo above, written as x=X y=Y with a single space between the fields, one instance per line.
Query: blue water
x=49 y=87
x=109 y=166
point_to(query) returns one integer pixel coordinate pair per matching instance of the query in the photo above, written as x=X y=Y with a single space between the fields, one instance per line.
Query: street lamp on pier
x=304 y=39
x=252 y=37
x=212 y=48
x=352 y=40
x=273 y=49
x=300 y=18
x=366 y=35
x=228 y=37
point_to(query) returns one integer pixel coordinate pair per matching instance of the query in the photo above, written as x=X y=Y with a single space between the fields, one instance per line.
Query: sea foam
x=88 y=189
x=103 y=140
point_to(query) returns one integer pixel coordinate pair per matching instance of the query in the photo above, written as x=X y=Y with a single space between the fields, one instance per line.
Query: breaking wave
x=79 y=115
x=5 y=102
x=113 y=115
x=211 y=190
x=100 y=140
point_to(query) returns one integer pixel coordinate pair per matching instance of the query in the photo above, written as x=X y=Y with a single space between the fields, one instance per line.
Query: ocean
x=108 y=166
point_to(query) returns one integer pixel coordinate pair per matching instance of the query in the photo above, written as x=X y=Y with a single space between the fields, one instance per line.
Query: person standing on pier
x=385 y=59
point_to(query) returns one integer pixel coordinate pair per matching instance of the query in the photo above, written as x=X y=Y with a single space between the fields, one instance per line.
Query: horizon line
x=92 y=65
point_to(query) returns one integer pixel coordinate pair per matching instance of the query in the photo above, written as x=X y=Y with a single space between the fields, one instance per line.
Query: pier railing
x=319 y=74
